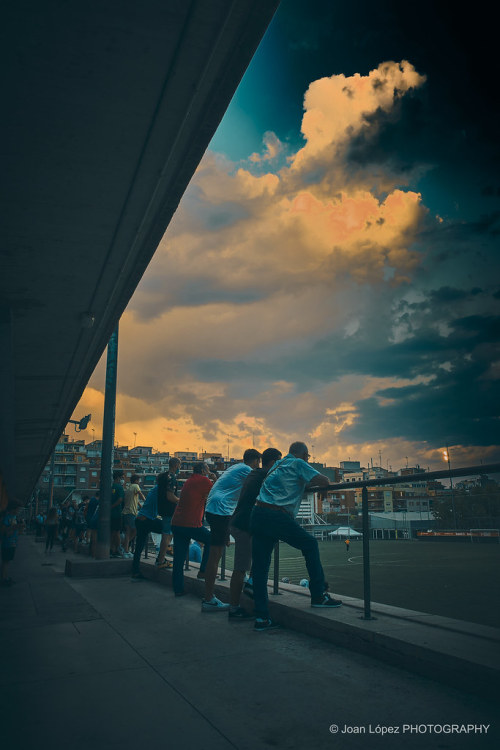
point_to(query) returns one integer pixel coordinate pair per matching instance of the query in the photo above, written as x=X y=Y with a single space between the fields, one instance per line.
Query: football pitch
x=458 y=580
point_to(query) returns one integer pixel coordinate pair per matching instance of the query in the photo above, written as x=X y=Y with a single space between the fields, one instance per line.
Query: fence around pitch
x=364 y=485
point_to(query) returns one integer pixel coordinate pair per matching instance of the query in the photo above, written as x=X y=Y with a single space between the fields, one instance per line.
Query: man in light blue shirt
x=285 y=482
x=273 y=518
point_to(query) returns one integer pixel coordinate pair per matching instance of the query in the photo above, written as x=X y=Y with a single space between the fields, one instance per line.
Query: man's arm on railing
x=318 y=481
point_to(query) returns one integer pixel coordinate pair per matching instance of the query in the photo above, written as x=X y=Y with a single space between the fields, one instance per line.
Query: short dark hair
x=297 y=448
x=270 y=455
x=250 y=455
x=117 y=474
x=198 y=467
x=134 y=478
x=174 y=461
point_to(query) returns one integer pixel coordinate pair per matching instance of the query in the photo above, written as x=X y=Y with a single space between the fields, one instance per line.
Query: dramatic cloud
x=337 y=109
x=311 y=295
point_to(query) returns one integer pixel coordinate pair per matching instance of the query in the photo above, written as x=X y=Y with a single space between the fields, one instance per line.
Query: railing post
x=223 y=565
x=276 y=578
x=366 y=555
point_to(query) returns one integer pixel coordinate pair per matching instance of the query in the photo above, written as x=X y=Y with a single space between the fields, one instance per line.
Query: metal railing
x=364 y=485
x=428 y=476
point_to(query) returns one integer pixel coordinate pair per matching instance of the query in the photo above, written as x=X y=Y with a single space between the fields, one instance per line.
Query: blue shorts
x=166 y=525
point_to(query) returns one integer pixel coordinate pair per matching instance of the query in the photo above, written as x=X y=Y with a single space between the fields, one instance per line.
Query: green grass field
x=459 y=580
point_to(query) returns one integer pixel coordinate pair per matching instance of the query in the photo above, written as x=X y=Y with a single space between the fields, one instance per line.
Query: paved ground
x=109 y=663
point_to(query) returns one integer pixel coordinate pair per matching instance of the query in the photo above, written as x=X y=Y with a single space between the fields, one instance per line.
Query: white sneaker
x=214 y=605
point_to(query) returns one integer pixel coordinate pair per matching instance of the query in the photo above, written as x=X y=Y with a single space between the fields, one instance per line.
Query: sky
x=331 y=274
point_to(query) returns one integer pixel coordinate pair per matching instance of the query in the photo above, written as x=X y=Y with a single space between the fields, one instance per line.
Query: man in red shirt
x=187 y=523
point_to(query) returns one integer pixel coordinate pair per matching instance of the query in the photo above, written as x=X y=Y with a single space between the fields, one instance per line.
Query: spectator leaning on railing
x=187 y=523
x=240 y=529
x=220 y=507
x=273 y=519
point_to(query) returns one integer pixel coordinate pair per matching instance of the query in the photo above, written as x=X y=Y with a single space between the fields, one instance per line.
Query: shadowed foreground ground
x=109 y=663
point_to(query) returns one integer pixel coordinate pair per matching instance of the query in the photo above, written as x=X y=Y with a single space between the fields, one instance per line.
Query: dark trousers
x=51 y=535
x=144 y=527
x=267 y=527
x=182 y=538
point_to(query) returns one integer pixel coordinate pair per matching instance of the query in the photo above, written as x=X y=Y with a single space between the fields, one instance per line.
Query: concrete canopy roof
x=109 y=106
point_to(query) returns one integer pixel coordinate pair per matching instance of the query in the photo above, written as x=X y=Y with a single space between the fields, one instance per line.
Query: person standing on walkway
x=129 y=513
x=9 y=531
x=92 y=518
x=347 y=543
x=117 y=496
x=51 y=525
x=220 y=507
x=80 y=523
x=273 y=519
x=167 y=503
x=147 y=521
x=239 y=528
x=187 y=524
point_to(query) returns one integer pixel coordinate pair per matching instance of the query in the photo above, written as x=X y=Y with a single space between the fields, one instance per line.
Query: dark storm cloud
x=447 y=294
x=456 y=400
x=435 y=415
x=458 y=406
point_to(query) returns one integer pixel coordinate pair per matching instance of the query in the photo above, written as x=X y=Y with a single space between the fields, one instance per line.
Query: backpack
x=166 y=507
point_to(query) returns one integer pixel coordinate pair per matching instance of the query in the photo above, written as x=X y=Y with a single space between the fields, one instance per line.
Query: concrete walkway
x=109 y=663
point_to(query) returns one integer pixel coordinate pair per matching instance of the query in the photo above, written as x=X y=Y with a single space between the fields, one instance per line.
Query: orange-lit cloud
x=337 y=108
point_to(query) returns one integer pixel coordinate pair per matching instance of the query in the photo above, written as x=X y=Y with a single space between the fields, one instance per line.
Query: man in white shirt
x=273 y=518
x=220 y=506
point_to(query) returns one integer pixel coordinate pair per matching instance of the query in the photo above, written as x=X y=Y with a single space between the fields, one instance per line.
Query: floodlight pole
x=366 y=555
x=107 y=450
x=452 y=492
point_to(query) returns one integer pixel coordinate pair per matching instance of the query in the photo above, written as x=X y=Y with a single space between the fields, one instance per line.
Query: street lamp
x=80 y=424
x=446 y=456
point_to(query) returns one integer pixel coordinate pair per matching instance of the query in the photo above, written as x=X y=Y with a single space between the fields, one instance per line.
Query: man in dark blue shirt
x=167 y=503
x=240 y=530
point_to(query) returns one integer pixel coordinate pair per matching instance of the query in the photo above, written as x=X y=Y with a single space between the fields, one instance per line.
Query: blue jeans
x=182 y=537
x=267 y=527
